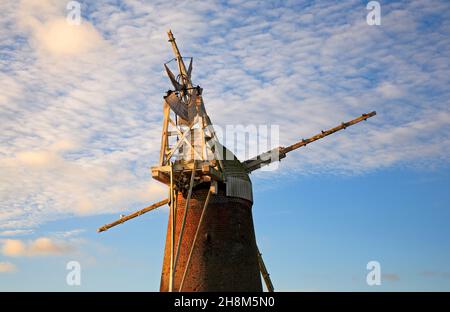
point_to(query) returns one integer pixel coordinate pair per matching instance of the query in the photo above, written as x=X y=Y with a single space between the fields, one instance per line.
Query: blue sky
x=80 y=119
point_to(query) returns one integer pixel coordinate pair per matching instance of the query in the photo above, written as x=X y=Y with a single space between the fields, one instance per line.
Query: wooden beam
x=172 y=232
x=264 y=273
x=327 y=132
x=265 y=158
x=181 y=66
x=133 y=215
x=183 y=223
x=177 y=145
x=164 y=136
x=183 y=137
x=202 y=216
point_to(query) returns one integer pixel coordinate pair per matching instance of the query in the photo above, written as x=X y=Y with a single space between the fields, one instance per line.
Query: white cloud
x=81 y=117
x=390 y=91
x=7 y=267
x=60 y=38
x=13 y=247
x=15 y=232
x=42 y=246
x=69 y=233
x=45 y=23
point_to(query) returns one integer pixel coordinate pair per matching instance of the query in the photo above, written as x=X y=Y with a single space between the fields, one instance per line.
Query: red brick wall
x=225 y=255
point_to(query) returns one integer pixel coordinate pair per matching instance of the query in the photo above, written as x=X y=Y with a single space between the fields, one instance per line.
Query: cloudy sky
x=80 y=122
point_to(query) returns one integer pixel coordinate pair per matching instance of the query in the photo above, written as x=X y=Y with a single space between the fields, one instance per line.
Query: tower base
x=225 y=254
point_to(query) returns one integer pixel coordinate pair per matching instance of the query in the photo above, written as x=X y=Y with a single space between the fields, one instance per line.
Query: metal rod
x=183 y=223
x=195 y=240
x=133 y=215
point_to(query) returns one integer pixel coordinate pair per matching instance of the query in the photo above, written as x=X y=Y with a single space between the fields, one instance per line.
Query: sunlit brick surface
x=225 y=255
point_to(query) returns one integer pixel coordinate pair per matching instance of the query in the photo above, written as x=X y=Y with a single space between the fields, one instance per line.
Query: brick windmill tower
x=210 y=241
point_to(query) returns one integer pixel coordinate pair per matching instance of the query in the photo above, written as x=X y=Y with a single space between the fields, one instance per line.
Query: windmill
x=210 y=240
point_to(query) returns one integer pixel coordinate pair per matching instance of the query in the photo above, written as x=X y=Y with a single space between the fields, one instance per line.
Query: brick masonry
x=225 y=255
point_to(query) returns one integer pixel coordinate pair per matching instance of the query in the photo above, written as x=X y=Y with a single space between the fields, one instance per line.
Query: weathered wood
x=327 y=132
x=183 y=138
x=164 y=135
x=133 y=215
x=181 y=67
x=202 y=216
x=183 y=223
x=204 y=169
x=280 y=152
x=177 y=146
x=264 y=273
x=172 y=232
